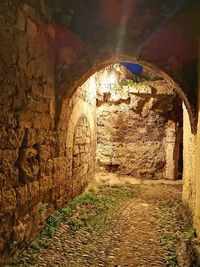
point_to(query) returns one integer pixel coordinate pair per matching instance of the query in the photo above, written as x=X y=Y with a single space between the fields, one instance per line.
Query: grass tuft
x=94 y=208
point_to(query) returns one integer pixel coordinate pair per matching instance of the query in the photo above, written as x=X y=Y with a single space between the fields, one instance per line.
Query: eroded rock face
x=132 y=137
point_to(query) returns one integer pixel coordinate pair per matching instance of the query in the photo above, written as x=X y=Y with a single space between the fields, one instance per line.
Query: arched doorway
x=166 y=156
x=82 y=155
x=70 y=90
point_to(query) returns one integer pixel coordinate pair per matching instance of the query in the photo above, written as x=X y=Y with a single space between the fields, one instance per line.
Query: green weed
x=172 y=232
x=191 y=233
x=43 y=209
x=74 y=224
x=98 y=206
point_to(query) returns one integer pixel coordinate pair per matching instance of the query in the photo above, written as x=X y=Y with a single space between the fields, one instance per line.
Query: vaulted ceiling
x=164 y=34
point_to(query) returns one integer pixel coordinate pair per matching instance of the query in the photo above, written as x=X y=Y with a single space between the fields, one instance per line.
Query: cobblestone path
x=143 y=231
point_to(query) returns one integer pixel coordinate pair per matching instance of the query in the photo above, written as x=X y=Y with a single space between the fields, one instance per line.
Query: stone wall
x=197 y=179
x=189 y=159
x=83 y=158
x=35 y=161
x=197 y=171
x=137 y=137
x=191 y=174
x=173 y=142
x=31 y=151
x=81 y=151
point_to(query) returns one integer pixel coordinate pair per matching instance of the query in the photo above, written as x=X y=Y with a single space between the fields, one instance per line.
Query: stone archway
x=117 y=59
x=82 y=107
x=82 y=156
x=81 y=120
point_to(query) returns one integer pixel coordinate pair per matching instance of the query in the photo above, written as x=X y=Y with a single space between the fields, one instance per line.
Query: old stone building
x=52 y=116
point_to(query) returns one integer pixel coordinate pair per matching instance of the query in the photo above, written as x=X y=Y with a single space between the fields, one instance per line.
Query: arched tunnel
x=99 y=104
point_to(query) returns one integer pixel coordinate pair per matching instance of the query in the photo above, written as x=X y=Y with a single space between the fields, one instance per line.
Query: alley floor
x=113 y=224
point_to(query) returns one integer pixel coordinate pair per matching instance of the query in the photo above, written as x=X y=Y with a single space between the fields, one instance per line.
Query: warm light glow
x=107 y=82
x=112 y=79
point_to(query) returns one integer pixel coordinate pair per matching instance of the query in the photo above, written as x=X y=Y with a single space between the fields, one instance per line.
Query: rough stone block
x=76 y=161
x=56 y=164
x=9 y=175
x=29 y=229
x=83 y=158
x=44 y=152
x=31 y=28
x=40 y=136
x=39 y=106
x=22 y=194
x=8 y=120
x=29 y=163
x=8 y=156
x=77 y=172
x=76 y=150
x=33 y=190
x=21 y=20
x=8 y=201
x=14 y=138
x=30 y=137
x=88 y=141
x=41 y=121
x=26 y=119
x=49 y=167
x=59 y=178
x=46 y=183
x=82 y=149
x=86 y=148
x=85 y=170
x=69 y=153
x=6 y=96
x=19 y=232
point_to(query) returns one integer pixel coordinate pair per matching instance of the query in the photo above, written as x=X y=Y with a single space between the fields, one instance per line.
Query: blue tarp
x=136 y=69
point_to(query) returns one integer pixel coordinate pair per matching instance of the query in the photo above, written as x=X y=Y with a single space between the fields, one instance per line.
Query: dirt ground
x=121 y=222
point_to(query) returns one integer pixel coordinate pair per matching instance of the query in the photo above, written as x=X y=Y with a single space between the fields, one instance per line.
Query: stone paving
x=134 y=237
x=130 y=240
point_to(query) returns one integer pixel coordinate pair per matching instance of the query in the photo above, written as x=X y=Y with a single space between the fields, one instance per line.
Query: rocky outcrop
x=133 y=136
